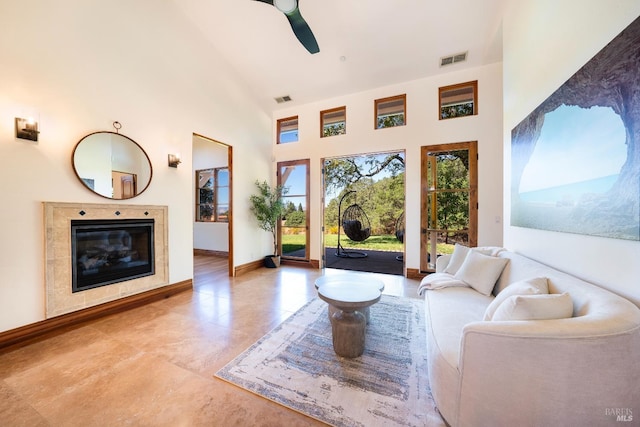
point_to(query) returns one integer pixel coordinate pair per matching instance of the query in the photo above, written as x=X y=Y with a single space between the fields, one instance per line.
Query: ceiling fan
x=298 y=24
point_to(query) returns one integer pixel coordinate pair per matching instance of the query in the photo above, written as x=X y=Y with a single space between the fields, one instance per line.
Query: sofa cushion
x=535 y=307
x=532 y=286
x=448 y=311
x=481 y=271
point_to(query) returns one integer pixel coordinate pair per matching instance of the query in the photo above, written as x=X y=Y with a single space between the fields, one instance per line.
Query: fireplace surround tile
x=58 y=276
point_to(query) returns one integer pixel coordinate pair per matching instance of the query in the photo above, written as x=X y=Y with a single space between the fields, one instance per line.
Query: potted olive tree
x=268 y=207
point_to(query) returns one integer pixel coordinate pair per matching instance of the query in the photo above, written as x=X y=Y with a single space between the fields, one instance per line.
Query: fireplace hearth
x=110 y=251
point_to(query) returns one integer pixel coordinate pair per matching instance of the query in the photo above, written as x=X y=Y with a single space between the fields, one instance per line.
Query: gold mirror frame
x=112 y=165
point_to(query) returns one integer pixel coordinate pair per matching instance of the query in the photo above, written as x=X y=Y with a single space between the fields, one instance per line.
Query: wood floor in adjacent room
x=155 y=365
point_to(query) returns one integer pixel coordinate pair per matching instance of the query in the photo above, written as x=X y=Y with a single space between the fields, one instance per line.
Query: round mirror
x=112 y=165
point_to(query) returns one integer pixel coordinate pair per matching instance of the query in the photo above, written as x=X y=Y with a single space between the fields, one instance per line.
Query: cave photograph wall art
x=575 y=160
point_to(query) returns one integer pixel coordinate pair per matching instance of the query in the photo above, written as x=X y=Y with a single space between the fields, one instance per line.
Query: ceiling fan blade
x=298 y=24
x=302 y=31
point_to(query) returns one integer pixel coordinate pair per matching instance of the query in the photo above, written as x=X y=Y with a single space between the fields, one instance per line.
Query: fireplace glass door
x=110 y=251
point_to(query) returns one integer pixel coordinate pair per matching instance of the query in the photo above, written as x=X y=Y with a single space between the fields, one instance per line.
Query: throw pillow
x=460 y=253
x=481 y=271
x=535 y=307
x=534 y=286
x=457 y=258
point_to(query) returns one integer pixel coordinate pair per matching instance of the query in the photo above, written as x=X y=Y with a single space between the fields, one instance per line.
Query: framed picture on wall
x=574 y=159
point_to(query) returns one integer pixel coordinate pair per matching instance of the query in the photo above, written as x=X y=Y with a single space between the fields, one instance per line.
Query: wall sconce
x=27 y=129
x=174 y=160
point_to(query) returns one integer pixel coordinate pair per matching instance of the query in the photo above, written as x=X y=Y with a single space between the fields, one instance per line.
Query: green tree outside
x=296 y=219
x=383 y=200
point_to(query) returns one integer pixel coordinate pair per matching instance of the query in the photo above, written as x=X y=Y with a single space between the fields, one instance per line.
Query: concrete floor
x=155 y=365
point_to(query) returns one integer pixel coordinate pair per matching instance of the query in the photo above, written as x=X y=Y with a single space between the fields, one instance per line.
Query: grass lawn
x=293 y=242
x=387 y=242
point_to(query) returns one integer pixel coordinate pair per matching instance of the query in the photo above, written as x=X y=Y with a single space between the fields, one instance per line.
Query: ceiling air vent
x=282 y=99
x=453 y=59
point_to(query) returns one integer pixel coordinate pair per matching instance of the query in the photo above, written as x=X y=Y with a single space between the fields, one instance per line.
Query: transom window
x=458 y=100
x=288 y=130
x=212 y=195
x=390 y=111
x=333 y=122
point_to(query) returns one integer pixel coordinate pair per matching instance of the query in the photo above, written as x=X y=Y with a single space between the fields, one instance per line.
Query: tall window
x=294 y=227
x=333 y=122
x=458 y=100
x=391 y=111
x=212 y=195
x=288 y=130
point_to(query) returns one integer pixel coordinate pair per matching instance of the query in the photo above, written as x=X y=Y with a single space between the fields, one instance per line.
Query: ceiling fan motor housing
x=286 y=6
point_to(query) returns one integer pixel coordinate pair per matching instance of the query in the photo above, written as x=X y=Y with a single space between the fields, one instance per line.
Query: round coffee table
x=348 y=322
x=350 y=280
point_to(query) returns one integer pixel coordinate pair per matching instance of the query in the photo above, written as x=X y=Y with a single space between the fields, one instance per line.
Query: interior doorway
x=449 y=200
x=363 y=218
x=124 y=184
x=212 y=200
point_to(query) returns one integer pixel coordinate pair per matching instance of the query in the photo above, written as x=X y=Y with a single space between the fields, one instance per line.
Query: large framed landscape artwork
x=576 y=158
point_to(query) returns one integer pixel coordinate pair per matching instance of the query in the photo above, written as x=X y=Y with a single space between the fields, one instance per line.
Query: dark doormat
x=375 y=262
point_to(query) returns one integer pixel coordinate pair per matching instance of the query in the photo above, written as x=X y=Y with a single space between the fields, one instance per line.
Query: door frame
x=230 y=265
x=472 y=147
x=323 y=160
x=307 y=164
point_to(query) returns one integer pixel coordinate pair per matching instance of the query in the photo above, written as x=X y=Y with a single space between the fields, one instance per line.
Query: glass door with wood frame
x=294 y=225
x=449 y=200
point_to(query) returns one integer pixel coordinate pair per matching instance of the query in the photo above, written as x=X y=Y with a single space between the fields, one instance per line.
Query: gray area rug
x=295 y=366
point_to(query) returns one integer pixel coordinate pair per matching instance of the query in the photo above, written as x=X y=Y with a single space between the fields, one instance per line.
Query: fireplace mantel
x=57 y=224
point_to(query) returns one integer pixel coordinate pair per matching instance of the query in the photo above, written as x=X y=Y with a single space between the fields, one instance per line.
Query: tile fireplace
x=96 y=253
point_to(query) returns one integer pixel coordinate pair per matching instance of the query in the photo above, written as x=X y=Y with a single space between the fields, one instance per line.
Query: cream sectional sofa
x=583 y=370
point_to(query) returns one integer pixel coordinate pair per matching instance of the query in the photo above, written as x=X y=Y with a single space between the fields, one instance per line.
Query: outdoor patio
x=385 y=262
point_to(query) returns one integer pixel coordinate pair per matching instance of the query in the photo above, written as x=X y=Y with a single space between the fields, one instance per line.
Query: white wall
x=79 y=65
x=212 y=236
x=545 y=43
x=422 y=128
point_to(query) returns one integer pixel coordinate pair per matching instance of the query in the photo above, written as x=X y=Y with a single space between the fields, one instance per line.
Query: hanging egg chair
x=356 y=226
x=355 y=223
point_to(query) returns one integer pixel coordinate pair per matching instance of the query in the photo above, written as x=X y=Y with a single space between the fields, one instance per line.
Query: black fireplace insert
x=110 y=251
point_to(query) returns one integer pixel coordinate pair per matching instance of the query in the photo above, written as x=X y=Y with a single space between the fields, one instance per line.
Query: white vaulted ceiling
x=363 y=44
